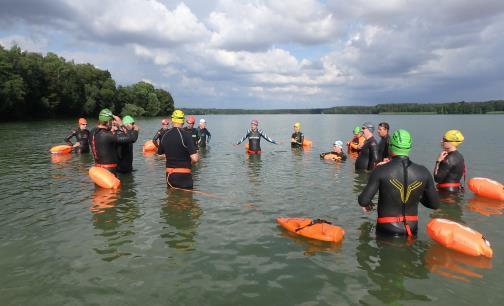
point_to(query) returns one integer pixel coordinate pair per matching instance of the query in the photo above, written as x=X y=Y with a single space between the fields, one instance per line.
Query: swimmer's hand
x=368 y=208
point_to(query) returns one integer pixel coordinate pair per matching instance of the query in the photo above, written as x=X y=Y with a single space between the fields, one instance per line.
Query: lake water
x=65 y=242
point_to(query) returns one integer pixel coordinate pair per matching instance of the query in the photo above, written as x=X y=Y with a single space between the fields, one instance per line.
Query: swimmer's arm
x=267 y=138
x=441 y=171
x=430 y=197
x=366 y=196
x=244 y=137
x=72 y=134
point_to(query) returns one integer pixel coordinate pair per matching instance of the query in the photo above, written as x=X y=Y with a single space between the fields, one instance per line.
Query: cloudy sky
x=277 y=54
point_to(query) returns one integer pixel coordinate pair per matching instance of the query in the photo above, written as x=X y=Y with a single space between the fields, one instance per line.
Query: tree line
x=37 y=86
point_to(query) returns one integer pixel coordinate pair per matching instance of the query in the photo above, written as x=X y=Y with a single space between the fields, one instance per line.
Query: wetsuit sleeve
x=191 y=148
x=343 y=156
x=442 y=171
x=430 y=197
x=302 y=138
x=366 y=196
x=244 y=137
x=208 y=134
x=134 y=136
x=123 y=137
x=156 y=137
x=73 y=133
x=373 y=150
x=266 y=137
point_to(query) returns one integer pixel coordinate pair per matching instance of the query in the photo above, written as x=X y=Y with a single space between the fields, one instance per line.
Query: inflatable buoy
x=332 y=157
x=149 y=146
x=487 y=188
x=307 y=143
x=315 y=229
x=459 y=237
x=247 y=147
x=104 y=178
x=61 y=149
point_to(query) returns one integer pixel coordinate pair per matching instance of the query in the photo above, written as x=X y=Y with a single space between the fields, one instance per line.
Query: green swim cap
x=105 y=115
x=128 y=120
x=401 y=143
x=357 y=130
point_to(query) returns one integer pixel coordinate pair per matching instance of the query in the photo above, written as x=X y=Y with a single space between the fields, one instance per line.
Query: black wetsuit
x=342 y=155
x=178 y=146
x=82 y=137
x=383 y=148
x=255 y=140
x=450 y=172
x=159 y=134
x=125 y=153
x=397 y=198
x=104 y=146
x=194 y=135
x=299 y=138
x=368 y=155
x=204 y=136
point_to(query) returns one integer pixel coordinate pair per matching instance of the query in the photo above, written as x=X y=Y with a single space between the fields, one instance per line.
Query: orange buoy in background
x=149 y=146
x=104 y=178
x=61 y=149
x=307 y=142
x=315 y=229
x=332 y=157
x=487 y=188
x=459 y=237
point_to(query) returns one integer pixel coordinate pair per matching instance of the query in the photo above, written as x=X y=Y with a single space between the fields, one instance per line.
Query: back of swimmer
x=450 y=164
x=368 y=152
x=336 y=153
x=297 y=137
x=401 y=185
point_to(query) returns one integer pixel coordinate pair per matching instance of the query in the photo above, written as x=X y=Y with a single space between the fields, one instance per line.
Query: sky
x=276 y=54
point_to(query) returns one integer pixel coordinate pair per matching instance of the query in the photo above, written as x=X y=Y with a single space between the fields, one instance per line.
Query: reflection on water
x=450 y=206
x=389 y=262
x=454 y=265
x=254 y=164
x=359 y=182
x=181 y=213
x=486 y=207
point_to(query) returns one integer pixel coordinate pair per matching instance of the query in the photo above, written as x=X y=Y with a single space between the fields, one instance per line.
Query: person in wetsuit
x=165 y=125
x=450 y=165
x=356 y=142
x=368 y=152
x=203 y=134
x=336 y=153
x=191 y=130
x=105 y=138
x=297 y=137
x=180 y=152
x=81 y=134
x=401 y=185
x=383 y=132
x=254 y=135
x=125 y=150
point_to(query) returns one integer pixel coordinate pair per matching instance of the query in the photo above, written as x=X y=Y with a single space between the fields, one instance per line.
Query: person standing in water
x=368 y=152
x=401 y=185
x=81 y=135
x=125 y=150
x=297 y=137
x=336 y=153
x=254 y=135
x=165 y=125
x=191 y=130
x=356 y=142
x=180 y=153
x=383 y=132
x=450 y=164
x=203 y=134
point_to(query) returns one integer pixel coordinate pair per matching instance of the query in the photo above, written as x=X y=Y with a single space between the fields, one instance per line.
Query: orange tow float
x=458 y=237
x=332 y=157
x=149 y=146
x=315 y=229
x=307 y=142
x=61 y=149
x=487 y=188
x=104 y=178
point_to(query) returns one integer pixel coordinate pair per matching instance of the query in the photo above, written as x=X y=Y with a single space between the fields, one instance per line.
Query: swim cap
x=202 y=121
x=191 y=119
x=254 y=122
x=357 y=130
x=369 y=126
x=165 y=121
x=401 y=143
x=454 y=137
x=297 y=125
x=178 y=116
x=105 y=115
x=338 y=143
x=128 y=120
x=82 y=121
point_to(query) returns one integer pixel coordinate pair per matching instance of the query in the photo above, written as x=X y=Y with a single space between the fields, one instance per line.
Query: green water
x=64 y=242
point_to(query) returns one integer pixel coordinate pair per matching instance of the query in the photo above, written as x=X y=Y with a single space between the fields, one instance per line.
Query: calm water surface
x=65 y=242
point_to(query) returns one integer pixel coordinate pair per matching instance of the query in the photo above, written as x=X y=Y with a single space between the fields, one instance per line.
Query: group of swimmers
x=400 y=182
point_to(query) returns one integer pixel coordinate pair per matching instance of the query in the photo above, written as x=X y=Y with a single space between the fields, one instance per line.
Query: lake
x=65 y=242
